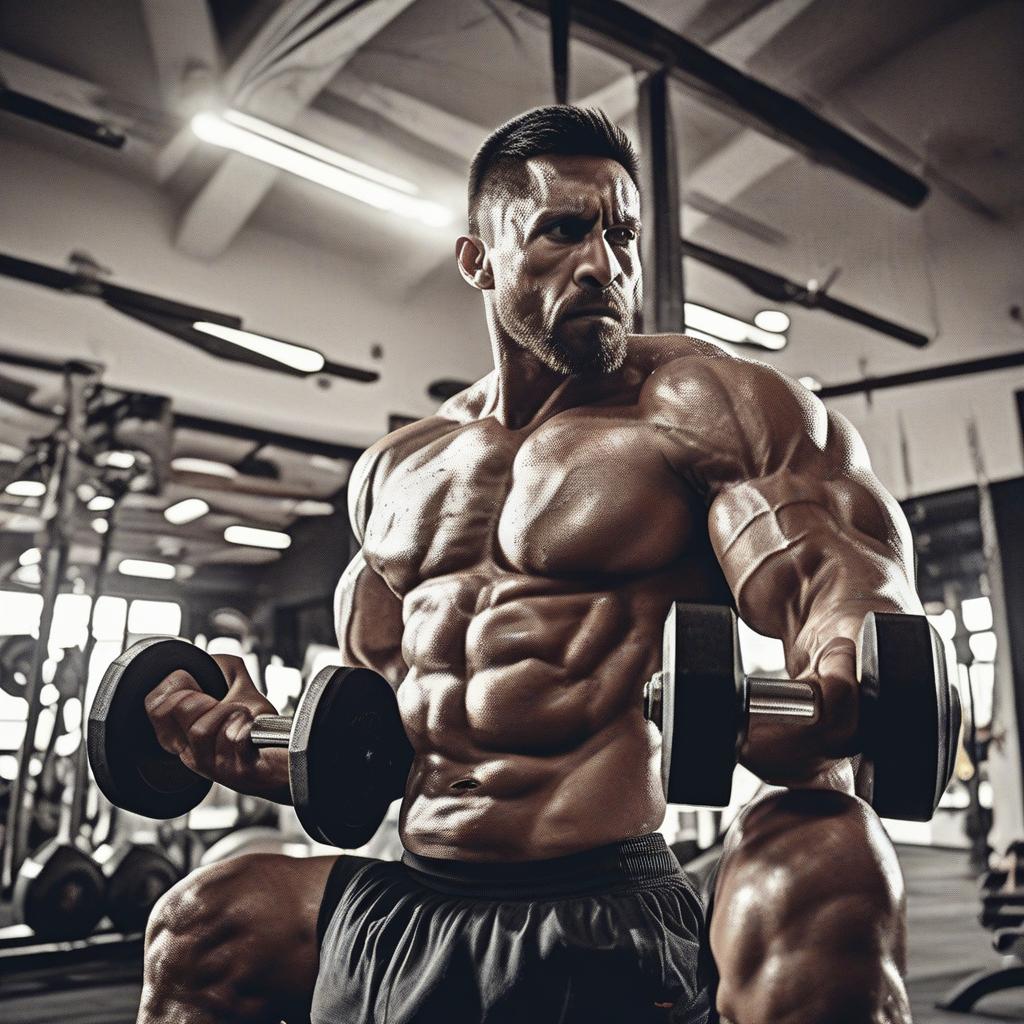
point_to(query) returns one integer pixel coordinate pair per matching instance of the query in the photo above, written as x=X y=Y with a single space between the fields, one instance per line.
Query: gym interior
x=226 y=271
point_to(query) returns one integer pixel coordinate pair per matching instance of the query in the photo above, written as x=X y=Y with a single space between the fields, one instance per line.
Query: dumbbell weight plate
x=137 y=876
x=349 y=756
x=910 y=715
x=59 y=892
x=703 y=694
x=131 y=768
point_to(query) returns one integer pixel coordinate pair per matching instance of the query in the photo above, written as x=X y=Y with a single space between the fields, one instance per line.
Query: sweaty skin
x=519 y=553
x=521 y=548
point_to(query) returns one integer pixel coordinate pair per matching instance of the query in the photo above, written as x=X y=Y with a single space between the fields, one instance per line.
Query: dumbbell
x=348 y=754
x=909 y=715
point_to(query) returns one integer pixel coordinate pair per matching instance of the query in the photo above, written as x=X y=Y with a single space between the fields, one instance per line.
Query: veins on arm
x=367 y=613
x=807 y=537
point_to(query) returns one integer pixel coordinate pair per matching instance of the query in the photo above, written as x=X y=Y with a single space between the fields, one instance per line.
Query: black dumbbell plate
x=133 y=771
x=349 y=756
x=701 y=705
x=907 y=714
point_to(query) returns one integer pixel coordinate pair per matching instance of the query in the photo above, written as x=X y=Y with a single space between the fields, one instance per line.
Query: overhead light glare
x=772 y=320
x=308 y=507
x=148 y=570
x=729 y=328
x=256 y=538
x=116 y=460
x=101 y=503
x=218 y=131
x=811 y=383
x=976 y=613
x=186 y=464
x=100 y=526
x=318 y=152
x=305 y=359
x=186 y=511
x=32 y=556
x=26 y=488
x=28 y=574
x=983 y=646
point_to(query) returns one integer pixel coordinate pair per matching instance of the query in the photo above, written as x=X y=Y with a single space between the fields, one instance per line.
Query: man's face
x=565 y=261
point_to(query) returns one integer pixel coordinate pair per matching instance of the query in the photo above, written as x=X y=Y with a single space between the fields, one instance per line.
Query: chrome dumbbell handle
x=780 y=697
x=271 y=730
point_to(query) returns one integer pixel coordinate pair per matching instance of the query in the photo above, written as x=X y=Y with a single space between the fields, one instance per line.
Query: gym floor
x=946 y=945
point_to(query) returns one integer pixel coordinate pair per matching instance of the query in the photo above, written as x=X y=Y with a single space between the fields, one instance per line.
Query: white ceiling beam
x=185 y=51
x=278 y=93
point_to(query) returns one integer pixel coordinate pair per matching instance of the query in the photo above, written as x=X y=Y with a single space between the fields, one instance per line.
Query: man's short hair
x=497 y=168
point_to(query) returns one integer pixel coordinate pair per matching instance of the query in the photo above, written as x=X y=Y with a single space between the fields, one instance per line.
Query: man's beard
x=568 y=347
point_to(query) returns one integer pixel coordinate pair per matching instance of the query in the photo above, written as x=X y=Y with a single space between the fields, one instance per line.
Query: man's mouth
x=593 y=312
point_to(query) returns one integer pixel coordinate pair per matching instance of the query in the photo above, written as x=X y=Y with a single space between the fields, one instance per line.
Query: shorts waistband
x=632 y=861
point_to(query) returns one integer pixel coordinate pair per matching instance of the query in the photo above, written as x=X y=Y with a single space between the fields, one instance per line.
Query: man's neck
x=522 y=390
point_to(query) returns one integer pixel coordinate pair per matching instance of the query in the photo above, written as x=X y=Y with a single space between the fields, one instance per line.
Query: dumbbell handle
x=271 y=730
x=780 y=697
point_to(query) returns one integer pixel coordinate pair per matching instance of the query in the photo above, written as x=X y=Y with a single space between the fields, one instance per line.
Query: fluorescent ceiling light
x=219 y=131
x=309 y=507
x=32 y=556
x=305 y=359
x=186 y=511
x=185 y=464
x=811 y=383
x=773 y=320
x=728 y=328
x=314 y=149
x=255 y=538
x=26 y=488
x=100 y=503
x=149 y=570
x=116 y=460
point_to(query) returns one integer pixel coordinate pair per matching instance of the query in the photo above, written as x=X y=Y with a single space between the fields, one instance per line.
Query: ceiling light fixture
x=100 y=526
x=309 y=507
x=26 y=488
x=729 y=328
x=100 y=503
x=335 y=173
x=307 y=360
x=146 y=569
x=116 y=460
x=256 y=538
x=186 y=511
x=186 y=464
x=773 y=320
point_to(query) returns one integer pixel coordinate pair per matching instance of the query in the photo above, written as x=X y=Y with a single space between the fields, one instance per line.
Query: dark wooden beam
x=645 y=43
x=560 y=13
x=661 y=251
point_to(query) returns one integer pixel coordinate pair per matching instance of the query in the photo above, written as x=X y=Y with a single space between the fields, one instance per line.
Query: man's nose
x=597 y=266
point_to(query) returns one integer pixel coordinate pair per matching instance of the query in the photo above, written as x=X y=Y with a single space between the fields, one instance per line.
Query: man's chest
x=585 y=493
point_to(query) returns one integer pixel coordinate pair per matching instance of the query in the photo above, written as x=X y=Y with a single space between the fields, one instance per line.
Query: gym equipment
x=348 y=755
x=701 y=700
x=60 y=891
x=257 y=839
x=16 y=653
x=137 y=875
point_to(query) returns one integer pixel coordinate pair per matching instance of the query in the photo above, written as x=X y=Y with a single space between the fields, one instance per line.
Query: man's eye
x=569 y=230
x=621 y=236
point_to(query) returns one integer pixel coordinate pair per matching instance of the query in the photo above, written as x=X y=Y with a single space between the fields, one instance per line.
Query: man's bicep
x=368 y=620
x=813 y=536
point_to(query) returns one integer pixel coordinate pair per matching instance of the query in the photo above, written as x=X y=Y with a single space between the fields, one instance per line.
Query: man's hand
x=787 y=752
x=212 y=736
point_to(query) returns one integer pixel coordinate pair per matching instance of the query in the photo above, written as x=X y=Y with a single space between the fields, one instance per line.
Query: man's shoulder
x=691 y=378
x=395 y=447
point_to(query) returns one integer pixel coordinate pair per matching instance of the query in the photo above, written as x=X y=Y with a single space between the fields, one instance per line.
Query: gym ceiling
x=412 y=87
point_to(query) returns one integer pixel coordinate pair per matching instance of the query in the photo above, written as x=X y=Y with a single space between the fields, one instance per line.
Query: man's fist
x=212 y=736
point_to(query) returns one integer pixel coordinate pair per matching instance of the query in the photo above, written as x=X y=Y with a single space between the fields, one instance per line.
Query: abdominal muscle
x=523 y=702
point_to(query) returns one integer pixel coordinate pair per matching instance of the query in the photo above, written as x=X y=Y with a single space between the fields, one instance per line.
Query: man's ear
x=474 y=262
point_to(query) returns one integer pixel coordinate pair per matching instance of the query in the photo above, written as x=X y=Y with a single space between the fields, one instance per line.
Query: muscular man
x=520 y=550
